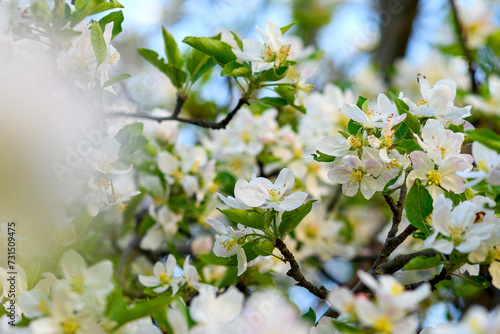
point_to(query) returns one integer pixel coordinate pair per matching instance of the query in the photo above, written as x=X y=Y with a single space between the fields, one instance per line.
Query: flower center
x=77 y=281
x=383 y=325
x=353 y=141
x=421 y=102
x=457 y=234
x=43 y=306
x=494 y=252
x=164 y=279
x=70 y=326
x=274 y=194
x=370 y=113
x=481 y=165
x=396 y=289
x=434 y=178
x=229 y=244
x=357 y=175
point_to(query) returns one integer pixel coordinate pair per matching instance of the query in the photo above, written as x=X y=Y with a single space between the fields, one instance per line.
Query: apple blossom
x=261 y=193
x=163 y=276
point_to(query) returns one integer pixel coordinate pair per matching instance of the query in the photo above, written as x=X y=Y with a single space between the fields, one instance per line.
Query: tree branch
x=175 y=116
x=296 y=274
x=462 y=38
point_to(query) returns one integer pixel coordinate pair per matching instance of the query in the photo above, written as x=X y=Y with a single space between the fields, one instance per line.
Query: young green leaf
x=197 y=64
x=274 y=101
x=407 y=146
x=486 y=137
x=174 y=56
x=117 y=18
x=423 y=262
x=116 y=79
x=220 y=51
x=362 y=103
x=291 y=219
x=175 y=74
x=245 y=218
x=287 y=27
x=264 y=248
x=478 y=281
x=418 y=206
x=98 y=43
x=84 y=8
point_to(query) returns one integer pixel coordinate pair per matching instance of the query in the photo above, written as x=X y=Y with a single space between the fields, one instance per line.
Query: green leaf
x=98 y=43
x=407 y=146
x=400 y=104
x=274 y=101
x=287 y=27
x=412 y=123
x=229 y=278
x=117 y=18
x=478 y=281
x=287 y=92
x=175 y=74
x=141 y=309
x=238 y=40
x=116 y=79
x=131 y=139
x=211 y=258
x=309 y=316
x=362 y=103
x=353 y=127
x=347 y=329
x=41 y=13
x=84 y=8
x=321 y=157
x=273 y=74
x=198 y=64
x=174 y=56
x=486 y=137
x=423 y=262
x=226 y=182
x=418 y=206
x=245 y=218
x=291 y=219
x=145 y=225
x=220 y=51
x=235 y=69
x=264 y=248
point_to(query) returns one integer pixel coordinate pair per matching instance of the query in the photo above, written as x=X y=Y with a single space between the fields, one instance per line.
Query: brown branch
x=296 y=274
x=462 y=38
x=178 y=106
x=198 y=122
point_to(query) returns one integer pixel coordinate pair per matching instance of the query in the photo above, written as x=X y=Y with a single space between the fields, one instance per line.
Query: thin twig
x=296 y=274
x=462 y=38
x=178 y=106
x=198 y=122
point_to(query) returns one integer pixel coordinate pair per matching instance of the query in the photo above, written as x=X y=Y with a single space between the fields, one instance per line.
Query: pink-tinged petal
x=352 y=161
x=443 y=246
x=242 y=260
x=217 y=225
x=353 y=112
x=372 y=166
x=420 y=160
x=416 y=174
x=350 y=188
x=397 y=120
x=293 y=201
x=494 y=271
x=494 y=176
x=170 y=265
x=340 y=174
x=149 y=281
x=369 y=186
x=285 y=179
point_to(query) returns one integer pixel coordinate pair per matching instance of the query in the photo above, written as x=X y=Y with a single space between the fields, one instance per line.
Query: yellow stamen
x=434 y=178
